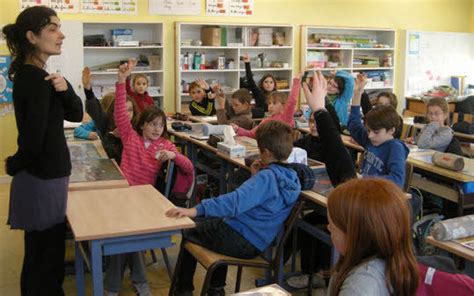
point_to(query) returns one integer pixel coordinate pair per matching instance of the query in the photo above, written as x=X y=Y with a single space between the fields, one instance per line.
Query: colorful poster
x=29 y=3
x=229 y=7
x=65 y=6
x=6 y=86
x=173 y=7
x=109 y=6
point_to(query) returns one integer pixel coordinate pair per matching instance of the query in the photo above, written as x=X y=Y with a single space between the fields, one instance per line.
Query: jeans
x=116 y=267
x=217 y=236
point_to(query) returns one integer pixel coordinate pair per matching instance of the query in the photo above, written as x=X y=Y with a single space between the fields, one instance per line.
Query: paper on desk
x=229 y=136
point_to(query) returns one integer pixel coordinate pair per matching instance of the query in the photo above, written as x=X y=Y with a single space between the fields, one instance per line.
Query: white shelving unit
x=232 y=47
x=97 y=57
x=343 y=55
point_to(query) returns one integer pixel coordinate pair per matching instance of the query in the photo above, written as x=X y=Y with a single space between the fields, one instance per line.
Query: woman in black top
x=41 y=166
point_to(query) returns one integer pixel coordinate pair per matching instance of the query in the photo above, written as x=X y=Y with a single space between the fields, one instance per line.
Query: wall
x=430 y=15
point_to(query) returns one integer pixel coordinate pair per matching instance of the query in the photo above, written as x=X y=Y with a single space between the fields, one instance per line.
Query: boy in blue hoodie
x=384 y=156
x=243 y=223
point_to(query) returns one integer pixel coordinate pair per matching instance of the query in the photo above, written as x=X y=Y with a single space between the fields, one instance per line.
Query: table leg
x=96 y=258
x=79 y=266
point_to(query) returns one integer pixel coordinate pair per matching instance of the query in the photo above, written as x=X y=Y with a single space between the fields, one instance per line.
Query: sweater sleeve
x=84 y=130
x=291 y=103
x=121 y=117
x=434 y=137
x=257 y=93
x=247 y=133
x=339 y=165
x=34 y=125
x=72 y=104
x=222 y=116
x=249 y=195
x=128 y=88
x=396 y=164
x=356 y=128
x=94 y=109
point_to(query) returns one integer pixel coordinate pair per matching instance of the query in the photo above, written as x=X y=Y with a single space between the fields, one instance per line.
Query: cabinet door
x=71 y=61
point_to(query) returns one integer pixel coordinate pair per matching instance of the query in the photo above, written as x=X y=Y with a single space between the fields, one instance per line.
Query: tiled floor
x=11 y=254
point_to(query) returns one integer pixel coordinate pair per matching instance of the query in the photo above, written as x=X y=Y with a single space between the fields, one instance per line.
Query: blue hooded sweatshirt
x=386 y=160
x=259 y=207
x=341 y=102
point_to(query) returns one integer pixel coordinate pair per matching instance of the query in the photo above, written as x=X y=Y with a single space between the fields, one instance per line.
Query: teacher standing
x=41 y=166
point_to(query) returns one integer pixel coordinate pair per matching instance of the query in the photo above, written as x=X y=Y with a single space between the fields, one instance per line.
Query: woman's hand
x=58 y=81
x=181 y=212
x=246 y=58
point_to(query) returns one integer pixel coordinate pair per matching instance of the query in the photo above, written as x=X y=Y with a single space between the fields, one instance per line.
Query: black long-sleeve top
x=329 y=148
x=112 y=145
x=258 y=94
x=40 y=112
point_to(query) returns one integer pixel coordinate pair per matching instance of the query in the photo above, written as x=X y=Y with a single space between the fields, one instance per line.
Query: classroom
x=241 y=147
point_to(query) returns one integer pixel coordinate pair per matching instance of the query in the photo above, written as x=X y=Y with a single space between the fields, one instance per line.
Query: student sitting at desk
x=325 y=144
x=369 y=222
x=202 y=103
x=144 y=152
x=250 y=217
x=102 y=114
x=239 y=113
x=280 y=107
x=385 y=156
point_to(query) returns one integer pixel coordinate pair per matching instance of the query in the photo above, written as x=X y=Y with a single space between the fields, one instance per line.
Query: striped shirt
x=285 y=116
x=139 y=164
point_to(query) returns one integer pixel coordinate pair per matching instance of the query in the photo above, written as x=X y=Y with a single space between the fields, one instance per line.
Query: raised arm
x=121 y=117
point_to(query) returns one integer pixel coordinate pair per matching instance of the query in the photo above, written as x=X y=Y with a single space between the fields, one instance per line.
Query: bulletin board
x=431 y=58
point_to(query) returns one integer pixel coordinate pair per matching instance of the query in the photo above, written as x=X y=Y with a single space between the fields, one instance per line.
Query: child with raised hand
x=238 y=113
x=280 y=106
x=144 y=152
x=369 y=222
x=202 y=101
x=261 y=92
x=102 y=114
x=138 y=91
x=436 y=135
x=243 y=223
x=326 y=141
x=385 y=156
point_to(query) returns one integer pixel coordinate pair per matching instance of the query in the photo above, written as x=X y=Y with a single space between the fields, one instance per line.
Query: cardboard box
x=232 y=151
x=211 y=36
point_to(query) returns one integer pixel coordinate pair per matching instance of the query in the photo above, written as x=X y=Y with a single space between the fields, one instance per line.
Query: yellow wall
x=429 y=15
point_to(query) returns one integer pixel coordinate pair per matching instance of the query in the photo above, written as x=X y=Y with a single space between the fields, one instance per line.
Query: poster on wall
x=6 y=86
x=109 y=6
x=63 y=6
x=173 y=7
x=229 y=7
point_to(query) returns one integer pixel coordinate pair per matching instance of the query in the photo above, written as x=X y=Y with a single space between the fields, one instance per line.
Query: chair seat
x=207 y=257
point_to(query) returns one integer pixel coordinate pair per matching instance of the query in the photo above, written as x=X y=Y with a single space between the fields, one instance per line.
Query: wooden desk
x=409 y=121
x=117 y=221
x=461 y=189
x=96 y=174
x=456 y=249
x=204 y=119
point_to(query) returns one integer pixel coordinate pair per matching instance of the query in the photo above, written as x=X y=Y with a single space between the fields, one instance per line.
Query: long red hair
x=374 y=215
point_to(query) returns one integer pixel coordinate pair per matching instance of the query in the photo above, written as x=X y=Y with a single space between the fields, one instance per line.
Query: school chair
x=271 y=261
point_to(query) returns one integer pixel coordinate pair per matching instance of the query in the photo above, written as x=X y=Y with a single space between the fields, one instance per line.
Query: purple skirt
x=37 y=204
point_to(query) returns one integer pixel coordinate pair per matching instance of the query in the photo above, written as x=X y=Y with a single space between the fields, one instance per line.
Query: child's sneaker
x=301 y=281
x=142 y=289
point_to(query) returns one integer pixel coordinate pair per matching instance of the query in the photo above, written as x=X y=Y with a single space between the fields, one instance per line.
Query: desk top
x=422 y=160
x=452 y=247
x=96 y=174
x=204 y=119
x=315 y=197
x=98 y=214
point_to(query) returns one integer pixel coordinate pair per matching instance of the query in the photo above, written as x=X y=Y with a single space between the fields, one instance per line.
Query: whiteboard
x=431 y=58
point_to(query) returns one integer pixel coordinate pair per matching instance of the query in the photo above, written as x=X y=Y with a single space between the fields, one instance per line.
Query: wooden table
x=116 y=221
x=461 y=184
x=456 y=249
x=204 y=119
x=418 y=105
x=409 y=121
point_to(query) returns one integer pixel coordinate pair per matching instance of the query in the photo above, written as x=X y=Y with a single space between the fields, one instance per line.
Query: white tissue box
x=232 y=151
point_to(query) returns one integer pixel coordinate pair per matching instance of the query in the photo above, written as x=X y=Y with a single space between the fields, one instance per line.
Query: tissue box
x=232 y=151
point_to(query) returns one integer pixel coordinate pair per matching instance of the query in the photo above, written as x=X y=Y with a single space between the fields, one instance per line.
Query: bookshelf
x=355 y=50
x=222 y=45
x=103 y=58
